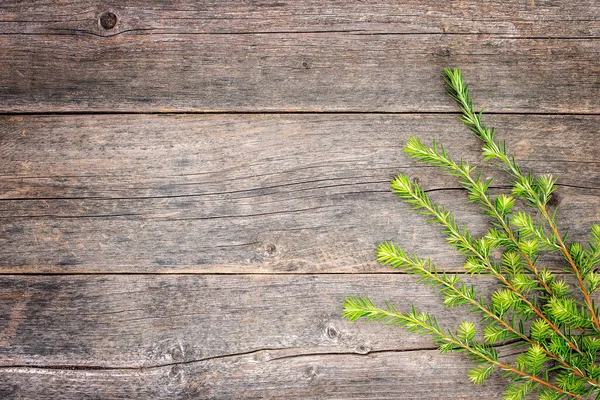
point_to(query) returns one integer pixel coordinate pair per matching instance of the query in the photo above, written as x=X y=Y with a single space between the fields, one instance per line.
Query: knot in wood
x=175 y=372
x=271 y=248
x=362 y=349
x=554 y=200
x=444 y=52
x=332 y=332
x=108 y=20
x=310 y=373
x=176 y=355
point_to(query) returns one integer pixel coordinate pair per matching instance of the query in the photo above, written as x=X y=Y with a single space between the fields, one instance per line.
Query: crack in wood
x=218 y=357
x=192 y=195
x=267 y=358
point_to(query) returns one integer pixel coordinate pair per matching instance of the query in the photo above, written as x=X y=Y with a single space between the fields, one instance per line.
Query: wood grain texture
x=382 y=376
x=511 y=17
x=220 y=336
x=205 y=253
x=330 y=72
x=253 y=193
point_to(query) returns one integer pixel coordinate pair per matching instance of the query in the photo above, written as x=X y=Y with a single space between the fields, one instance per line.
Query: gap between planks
x=151 y=31
x=283 y=112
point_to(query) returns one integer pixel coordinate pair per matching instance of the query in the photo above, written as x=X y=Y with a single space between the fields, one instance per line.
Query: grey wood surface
x=194 y=335
x=319 y=72
x=511 y=17
x=253 y=193
x=187 y=196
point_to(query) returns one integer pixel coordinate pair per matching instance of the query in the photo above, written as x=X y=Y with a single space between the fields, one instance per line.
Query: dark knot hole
x=108 y=20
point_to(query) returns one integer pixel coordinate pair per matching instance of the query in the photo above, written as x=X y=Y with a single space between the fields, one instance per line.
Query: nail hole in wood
x=108 y=20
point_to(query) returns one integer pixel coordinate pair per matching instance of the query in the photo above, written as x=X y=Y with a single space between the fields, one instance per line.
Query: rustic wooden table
x=189 y=189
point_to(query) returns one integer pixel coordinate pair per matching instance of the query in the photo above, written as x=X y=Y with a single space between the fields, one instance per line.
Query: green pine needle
x=555 y=331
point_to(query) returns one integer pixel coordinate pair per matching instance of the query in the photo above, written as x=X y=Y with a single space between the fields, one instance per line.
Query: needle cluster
x=553 y=321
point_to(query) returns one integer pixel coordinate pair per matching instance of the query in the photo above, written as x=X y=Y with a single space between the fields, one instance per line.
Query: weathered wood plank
x=289 y=72
x=414 y=375
x=511 y=17
x=134 y=321
x=219 y=336
x=252 y=193
x=257 y=194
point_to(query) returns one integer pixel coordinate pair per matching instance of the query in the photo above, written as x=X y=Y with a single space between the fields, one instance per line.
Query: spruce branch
x=513 y=299
x=529 y=365
x=455 y=292
x=499 y=209
x=536 y=190
x=532 y=309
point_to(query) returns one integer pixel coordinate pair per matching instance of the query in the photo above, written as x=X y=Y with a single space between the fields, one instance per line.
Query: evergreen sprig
x=533 y=309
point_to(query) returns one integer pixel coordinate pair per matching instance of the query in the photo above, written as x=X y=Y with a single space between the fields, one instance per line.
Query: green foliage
x=555 y=330
x=518 y=392
x=479 y=374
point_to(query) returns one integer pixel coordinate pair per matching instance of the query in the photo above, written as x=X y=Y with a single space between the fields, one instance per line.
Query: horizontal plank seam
x=385 y=272
x=358 y=32
x=284 y=112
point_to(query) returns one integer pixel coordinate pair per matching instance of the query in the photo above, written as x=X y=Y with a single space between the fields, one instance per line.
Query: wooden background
x=188 y=192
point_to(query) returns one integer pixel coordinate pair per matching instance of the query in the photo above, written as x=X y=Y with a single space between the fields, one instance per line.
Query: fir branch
x=531 y=307
x=537 y=190
x=462 y=341
x=455 y=292
x=500 y=209
x=462 y=240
